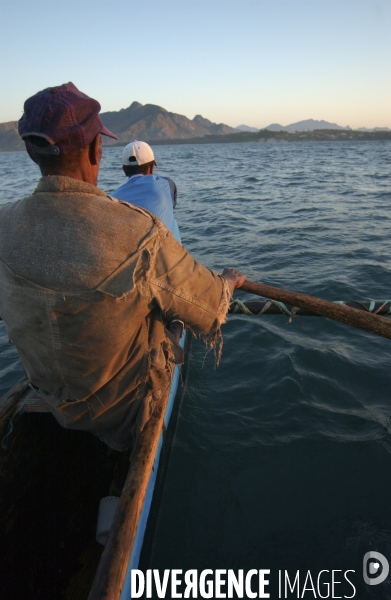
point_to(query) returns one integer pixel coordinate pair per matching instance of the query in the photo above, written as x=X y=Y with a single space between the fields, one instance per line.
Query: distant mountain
x=144 y=122
x=9 y=137
x=308 y=125
x=212 y=128
x=151 y=122
x=246 y=128
x=374 y=129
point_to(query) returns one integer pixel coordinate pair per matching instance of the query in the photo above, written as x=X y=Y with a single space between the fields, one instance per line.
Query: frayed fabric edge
x=214 y=340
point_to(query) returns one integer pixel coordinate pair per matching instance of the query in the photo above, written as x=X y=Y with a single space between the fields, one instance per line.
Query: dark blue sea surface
x=281 y=458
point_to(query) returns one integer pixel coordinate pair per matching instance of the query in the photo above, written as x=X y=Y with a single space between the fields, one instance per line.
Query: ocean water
x=281 y=457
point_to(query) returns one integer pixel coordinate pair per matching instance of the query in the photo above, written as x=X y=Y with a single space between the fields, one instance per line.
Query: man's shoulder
x=8 y=209
x=167 y=179
x=173 y=191
x=139 y=186
x=73 y=199
x=128 y=210
x=5 y=206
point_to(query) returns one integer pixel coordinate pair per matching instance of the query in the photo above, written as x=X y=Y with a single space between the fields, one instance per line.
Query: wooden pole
x=344 y=314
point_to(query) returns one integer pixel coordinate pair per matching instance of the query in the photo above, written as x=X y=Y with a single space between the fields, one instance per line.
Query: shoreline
x=263 y=136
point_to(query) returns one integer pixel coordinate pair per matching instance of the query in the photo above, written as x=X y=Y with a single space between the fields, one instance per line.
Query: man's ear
x=95 y=150
x=150 y=170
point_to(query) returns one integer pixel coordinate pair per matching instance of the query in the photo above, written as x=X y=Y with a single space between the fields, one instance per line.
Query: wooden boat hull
x=138 y=542
x=53 y=554
x=122 y=550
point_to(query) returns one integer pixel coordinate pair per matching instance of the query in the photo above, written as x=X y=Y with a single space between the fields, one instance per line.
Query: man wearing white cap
x=143 y=188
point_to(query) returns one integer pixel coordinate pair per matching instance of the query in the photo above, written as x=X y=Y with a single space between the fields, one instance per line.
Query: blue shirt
x=154 y=193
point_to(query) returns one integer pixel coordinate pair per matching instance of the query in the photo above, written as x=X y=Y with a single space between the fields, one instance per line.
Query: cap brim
x=107 y=132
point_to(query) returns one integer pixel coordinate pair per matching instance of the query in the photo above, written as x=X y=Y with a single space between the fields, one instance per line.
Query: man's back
x=85 y=282
x=152 y=193
x=143 y=188
x=70 y=234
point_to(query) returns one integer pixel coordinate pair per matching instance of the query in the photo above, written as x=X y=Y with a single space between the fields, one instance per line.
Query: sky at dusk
x=255 y=62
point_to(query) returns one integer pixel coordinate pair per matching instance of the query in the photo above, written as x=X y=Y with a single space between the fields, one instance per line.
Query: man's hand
x=234 y=278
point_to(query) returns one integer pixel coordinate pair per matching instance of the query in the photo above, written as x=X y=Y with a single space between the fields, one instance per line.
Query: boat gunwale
x=117 y=555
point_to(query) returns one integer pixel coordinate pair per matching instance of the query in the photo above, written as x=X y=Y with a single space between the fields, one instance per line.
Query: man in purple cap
x=87 y=282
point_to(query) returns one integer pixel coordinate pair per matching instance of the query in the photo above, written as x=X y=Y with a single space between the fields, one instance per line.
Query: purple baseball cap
x=64 y=117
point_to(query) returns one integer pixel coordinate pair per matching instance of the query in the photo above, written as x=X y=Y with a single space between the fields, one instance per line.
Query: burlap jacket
x=85 y=285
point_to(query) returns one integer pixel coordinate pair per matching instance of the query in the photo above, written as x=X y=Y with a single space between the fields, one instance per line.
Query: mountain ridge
x=308 y=125
x=154 y=123
x=246 y=128
x=145 y=122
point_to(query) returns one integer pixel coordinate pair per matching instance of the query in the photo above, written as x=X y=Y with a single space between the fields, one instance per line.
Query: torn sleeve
x=184 y=289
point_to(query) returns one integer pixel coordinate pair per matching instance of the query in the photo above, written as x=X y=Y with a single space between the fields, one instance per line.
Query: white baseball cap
x=137 y=153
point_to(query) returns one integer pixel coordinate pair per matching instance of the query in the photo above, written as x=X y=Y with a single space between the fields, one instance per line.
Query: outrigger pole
x=275 y=307
x=363 y=315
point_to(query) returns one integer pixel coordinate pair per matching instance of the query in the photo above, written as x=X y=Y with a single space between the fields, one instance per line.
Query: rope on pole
x=274 y=307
